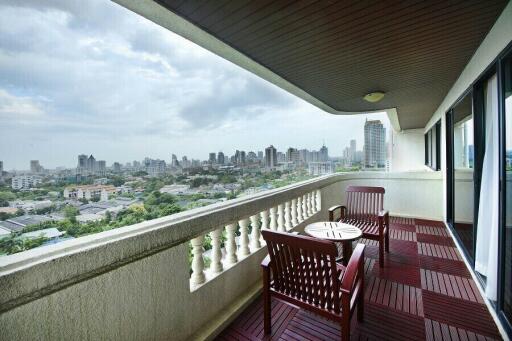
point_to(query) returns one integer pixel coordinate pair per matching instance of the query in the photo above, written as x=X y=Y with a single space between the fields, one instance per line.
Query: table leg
x=347 y=251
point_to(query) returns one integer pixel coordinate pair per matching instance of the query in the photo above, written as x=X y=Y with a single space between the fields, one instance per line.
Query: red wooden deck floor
x=424 y=292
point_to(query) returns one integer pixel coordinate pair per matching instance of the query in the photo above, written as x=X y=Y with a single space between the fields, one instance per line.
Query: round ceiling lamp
x=374 y=97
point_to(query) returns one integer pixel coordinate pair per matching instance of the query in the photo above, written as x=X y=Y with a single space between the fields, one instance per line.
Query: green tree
x=5 y=197
x=70 y=212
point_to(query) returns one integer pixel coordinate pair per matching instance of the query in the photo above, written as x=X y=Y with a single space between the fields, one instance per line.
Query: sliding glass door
x=506 y=231
x=463 y=161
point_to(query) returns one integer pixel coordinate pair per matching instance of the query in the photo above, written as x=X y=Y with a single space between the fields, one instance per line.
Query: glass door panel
x=463 y=164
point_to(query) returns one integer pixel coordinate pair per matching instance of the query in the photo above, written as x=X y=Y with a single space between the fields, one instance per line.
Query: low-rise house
x=175 y=189
x=89 y=191
x=31 y=205
x=17 y=224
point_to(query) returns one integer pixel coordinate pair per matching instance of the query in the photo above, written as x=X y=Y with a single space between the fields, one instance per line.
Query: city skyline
x=94 y=77
x=86 y=157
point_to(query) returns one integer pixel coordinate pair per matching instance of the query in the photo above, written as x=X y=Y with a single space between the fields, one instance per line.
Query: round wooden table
x=336 y=232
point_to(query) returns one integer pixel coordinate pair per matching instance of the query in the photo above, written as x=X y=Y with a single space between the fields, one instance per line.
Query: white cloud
x=18 y=108
x=93 y=77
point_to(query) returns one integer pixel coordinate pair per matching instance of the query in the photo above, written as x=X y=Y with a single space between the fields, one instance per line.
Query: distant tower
x=212 y=159
x=220 y=158
x=374 y=144
x=323 y=154
x=174 y=161
x=35 y=167
x=270 y=157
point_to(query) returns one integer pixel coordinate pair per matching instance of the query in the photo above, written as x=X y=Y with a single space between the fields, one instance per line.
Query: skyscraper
x=220 y=158
x=35 y=167
x=91 y=164
x=212 y=159
x=292 y=155
x=1 y=168
x=374 y=144
x=270 y=157
x=174 y=161
x=323 y=154
x=352 y=151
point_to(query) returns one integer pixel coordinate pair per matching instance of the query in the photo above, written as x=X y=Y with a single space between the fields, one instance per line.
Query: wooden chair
x=365 y=210
x=303 y=271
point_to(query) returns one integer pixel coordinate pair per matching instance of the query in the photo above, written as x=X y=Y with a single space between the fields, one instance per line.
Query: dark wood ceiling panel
x=338 y=51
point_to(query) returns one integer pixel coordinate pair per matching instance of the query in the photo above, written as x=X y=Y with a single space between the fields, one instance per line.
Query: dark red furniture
x=303 y=271
x=365 y=209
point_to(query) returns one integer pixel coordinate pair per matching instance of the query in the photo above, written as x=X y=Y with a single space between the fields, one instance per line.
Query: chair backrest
x=364 y=203
x=304 y=268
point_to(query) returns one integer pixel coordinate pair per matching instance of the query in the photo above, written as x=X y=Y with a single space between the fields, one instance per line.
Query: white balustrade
x=280 y=218
x=305 y=207
x=231 y=257
x=287 y=216
x=264 y=220
x=273 y=219
x=294 y=212
x=216 y=264
x=309 y=205
x=244 y=237
x=198 y=276
x=255 y=232
x=300 y=215
x=318 y=200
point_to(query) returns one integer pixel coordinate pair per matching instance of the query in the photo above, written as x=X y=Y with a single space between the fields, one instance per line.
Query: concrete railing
x=136 y=282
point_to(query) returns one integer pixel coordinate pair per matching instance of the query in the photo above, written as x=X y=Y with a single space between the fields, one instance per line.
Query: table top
x=333 y=231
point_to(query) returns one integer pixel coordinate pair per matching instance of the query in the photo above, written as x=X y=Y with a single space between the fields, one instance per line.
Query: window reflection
x=507 y=284
x=463 y=155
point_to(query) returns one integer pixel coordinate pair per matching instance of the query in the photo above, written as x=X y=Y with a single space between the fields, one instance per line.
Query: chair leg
x=360 y=308
x=267 y=322
x=381 y=252
x=387 y=240
x=345 y=329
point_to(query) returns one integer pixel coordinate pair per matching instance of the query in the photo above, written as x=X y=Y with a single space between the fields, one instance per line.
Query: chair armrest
x=354 y=270
x=265 y=263
x=383 y=218
x=333 y=209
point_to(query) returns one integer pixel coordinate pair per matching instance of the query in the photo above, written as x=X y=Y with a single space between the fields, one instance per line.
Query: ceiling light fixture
x=374 y=97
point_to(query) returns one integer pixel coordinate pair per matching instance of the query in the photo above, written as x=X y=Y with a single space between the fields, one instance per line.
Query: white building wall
x=408 y=150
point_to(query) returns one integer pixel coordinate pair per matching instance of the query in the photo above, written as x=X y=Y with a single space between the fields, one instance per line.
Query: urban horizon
x=110 y=163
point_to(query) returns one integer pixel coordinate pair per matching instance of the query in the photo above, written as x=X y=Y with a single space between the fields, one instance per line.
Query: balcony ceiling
x=332 y=53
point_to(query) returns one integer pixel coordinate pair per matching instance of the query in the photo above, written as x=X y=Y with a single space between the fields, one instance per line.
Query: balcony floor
x=424 y=292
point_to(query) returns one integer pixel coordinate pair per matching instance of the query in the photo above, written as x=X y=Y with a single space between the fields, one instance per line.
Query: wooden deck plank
x=423 y=292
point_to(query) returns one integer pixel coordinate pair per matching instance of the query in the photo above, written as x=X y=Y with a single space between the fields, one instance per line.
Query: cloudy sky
x=92 y=77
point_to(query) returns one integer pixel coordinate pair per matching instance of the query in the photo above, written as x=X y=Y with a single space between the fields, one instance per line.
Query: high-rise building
x=292 y=155
x=1 y=168
x=323 y=154
x=242 y=157
x=374 y=144
x=35 y=167
x=352 y=151
x=270 y=157
x=212 y=159
x=304 y=155
x=184 y=162
x=220 y=158
x=174 y=161
x=239 y=157
x=91 y=164
x=260 y=155
x=116 y=167
x=252 y=157
x=102 y=167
